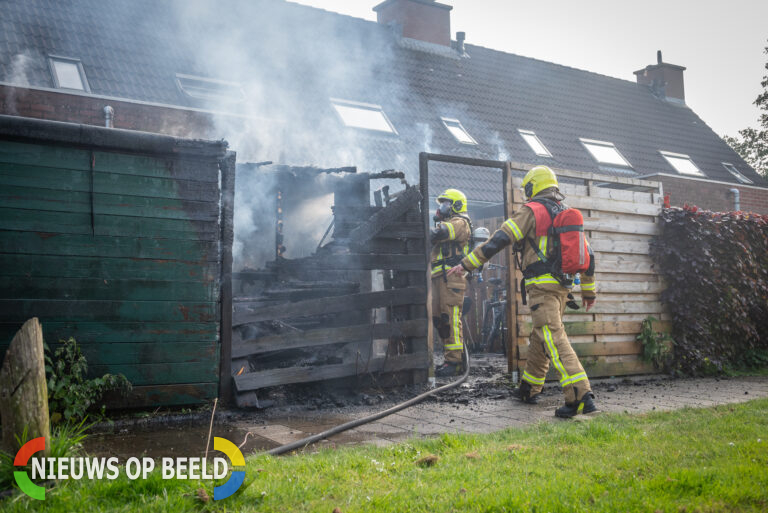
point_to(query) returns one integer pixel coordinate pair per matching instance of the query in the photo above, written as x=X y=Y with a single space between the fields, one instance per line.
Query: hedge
x=715 y=265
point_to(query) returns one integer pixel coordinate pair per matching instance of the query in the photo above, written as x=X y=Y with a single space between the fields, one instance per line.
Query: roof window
x=363 y=115
x=209 y=88
x=535 y=143
x=605 y=153
x=68 y=73
x=735 y=172
x=682 y=163
x=458 y=131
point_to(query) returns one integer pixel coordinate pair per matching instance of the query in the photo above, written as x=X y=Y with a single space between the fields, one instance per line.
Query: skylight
x=682 y=163
x=735 y=172
x=209 y=88
x=68 y=73
x=535 y=143
x=458 y=131
x=605 y=153
x=363 y=115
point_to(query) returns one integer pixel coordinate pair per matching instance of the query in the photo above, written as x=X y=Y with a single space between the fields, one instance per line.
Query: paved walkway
x=488 y=414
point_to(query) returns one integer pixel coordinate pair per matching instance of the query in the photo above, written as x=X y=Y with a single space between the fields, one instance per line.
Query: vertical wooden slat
x=424 y=188
x=513 y=351
x=227 y=167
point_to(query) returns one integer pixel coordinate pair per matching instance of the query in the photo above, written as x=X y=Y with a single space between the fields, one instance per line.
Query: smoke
x=289 y=61
x=20 y=65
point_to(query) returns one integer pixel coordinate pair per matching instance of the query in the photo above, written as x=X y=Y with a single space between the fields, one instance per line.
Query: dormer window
x=735 y=172
x=535 y=143
x=458 y=131
x=209 y=88
x=682 y=163
x=363 y=115
x=605 y=153
x=68 y=73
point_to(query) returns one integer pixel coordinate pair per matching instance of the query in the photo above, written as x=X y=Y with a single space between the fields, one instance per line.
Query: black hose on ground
x=376 y=416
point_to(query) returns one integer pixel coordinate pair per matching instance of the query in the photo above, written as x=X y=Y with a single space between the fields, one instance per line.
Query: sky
x=720 y=43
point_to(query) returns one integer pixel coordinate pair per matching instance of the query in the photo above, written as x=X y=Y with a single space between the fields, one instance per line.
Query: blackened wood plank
x=385 y=217
x=357 y=262
x=274 y=377
x=411 y=328
x=405 y=230
x=244 y=314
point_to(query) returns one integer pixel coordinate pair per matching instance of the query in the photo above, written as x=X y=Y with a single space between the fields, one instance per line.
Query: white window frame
x=52 y=59
x=736 y=173
x=236 y=88
x=531 y=133
x=669 y=156
x=458 y=126
x=605 y=144
x=363 y=106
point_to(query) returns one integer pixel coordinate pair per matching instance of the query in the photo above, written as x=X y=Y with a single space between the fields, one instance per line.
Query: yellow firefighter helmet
x=538 y=179
x=457 y=198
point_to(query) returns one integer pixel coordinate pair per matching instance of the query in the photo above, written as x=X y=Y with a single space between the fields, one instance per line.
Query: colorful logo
x=238 y=476
x=21 y=476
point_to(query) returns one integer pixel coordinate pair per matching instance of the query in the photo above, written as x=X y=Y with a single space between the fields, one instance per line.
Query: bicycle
x=495 y=315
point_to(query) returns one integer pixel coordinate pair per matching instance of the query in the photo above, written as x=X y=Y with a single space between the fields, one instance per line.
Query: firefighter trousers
x=447 y=301
x=549 y=343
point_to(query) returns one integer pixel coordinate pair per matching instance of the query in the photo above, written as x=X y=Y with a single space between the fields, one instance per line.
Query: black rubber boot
x=523 y=392
x=449 y=369
x=586 y=405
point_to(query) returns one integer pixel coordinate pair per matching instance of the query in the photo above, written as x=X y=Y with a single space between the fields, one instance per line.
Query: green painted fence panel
x=113 y=237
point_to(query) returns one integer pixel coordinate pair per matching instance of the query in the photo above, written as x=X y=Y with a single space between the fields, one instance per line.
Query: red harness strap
x=543 y=220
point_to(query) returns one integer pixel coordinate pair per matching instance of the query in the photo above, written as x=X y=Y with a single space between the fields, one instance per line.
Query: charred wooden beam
x=244 y=314
x=411 y=328
x=386 y=216
x=354 y=262
x=273 y=377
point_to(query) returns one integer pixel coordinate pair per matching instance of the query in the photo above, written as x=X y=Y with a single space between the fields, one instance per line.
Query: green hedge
x=716 y=270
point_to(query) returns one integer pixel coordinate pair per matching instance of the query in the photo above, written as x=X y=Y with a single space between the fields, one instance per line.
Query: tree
x=752 y=144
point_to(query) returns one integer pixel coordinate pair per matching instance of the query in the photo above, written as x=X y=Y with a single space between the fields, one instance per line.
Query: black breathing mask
x=443 y=211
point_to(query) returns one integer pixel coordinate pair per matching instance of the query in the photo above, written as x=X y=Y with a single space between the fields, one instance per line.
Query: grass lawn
x=710 y=459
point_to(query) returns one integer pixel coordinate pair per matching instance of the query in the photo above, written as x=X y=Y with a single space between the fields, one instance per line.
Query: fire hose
x=370 y=418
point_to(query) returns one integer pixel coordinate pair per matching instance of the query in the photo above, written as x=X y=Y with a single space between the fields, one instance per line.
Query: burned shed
x=332 y=286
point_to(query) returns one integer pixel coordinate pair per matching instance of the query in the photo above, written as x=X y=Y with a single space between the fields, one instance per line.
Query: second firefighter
x=450 y=243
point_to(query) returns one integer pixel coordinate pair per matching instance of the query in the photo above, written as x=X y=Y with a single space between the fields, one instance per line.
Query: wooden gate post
x=23 y=389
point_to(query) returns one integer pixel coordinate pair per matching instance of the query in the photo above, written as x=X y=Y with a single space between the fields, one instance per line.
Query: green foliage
x=656 y=345
x=753 y=143
x=70 y=393
x=716 y=269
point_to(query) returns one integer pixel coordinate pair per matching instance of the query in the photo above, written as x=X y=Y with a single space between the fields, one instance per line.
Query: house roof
x=291 y=59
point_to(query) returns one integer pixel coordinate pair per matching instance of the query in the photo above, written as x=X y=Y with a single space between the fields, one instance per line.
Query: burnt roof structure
x=276 y=67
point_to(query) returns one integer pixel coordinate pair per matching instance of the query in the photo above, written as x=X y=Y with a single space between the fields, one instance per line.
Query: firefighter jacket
x=522 y=227
x=449 y=246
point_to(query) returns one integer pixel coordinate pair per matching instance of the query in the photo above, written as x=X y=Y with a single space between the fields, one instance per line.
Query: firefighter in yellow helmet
x=450 y=243
x=547 y=296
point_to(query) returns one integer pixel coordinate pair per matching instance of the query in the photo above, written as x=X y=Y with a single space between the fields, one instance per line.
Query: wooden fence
x=620 y=218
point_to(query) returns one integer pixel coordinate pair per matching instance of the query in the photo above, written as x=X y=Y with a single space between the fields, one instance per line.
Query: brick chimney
x=425 y=20
x=666 y=80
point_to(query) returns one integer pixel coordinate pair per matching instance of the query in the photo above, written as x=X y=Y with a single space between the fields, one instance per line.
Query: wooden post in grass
x=23 y=389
